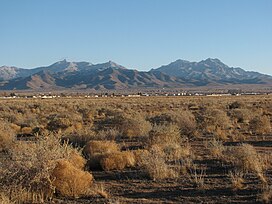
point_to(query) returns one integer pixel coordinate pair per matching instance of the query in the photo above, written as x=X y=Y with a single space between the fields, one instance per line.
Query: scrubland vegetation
x=136 y=150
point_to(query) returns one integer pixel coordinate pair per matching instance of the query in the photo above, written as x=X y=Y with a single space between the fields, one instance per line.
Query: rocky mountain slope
x=111 y=76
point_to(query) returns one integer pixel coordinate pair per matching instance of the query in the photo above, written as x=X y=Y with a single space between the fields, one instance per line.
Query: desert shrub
x=185 y=120
x=266 y=196
x=138 y=155
x=126 y=125
x=77 y=160
x=213 y=119
x=197 y=177
x=260 y=125
x=134 y=126
x=109 y=119
x=245 y=158
x=93 y=148
x=236 y=104
x=70 y=181
x=242 y=115
x=5 y=199
x=216 y=148
x=62 y=121
x=169 y=140
x=79 y=138
x=15 y=127
x=7 y=136
x=110 y=134
x=117 y=161
x=237 y=179
x=32 y=165
x=155 y=166
x=174 y=152
x=96 y=150
x=165 y=134
x=26 y=130
x=220 y=134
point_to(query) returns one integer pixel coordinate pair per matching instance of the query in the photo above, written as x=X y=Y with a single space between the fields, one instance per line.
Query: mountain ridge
x=111 y=76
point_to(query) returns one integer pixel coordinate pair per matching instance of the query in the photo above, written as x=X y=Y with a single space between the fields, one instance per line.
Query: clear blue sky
x=140 y=34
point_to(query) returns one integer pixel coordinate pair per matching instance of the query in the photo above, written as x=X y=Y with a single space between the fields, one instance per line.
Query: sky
x=138 y=34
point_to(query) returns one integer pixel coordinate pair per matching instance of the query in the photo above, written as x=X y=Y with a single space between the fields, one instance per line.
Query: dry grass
x=214 y=119
x=216 y=148
x=155 y=166
x=70 y=181
x=77 y=160
x=93 y=148
x=110 y=134
x=117 y=161
x=138 y=155
x=32 y=166
x=184 y=120
x=135 y=126
x=165 y=134
x=26 y=130
x=245 y=158
x=266 y=196
x=168 y=139
x=5 y=199
x=198 y=177
x=7 y=136
x=260 y=125
x=237 y=179
x=169 y=146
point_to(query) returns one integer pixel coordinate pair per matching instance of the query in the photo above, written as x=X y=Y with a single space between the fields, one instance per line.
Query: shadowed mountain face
x=212 y=71
x=110 y=76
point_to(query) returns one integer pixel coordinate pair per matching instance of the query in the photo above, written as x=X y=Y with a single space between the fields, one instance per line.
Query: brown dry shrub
x=237 y=179
x=77 y=160
x=260 y=125
x=185 y=120
x=71 y=181
x=110 y=134
x=135 y=126
x=243 y=115
x=63 y=121
x=220 y=134
x=15 y=127
x=93 y=162
x=79 y=138
x=127 y=125
x=174 y=152
x=26 y=130
x=5 y=199
x=246 y=158
x=165 y=134
x=236 y=104
x=32 y=165
x=117 y=161
x=168 y=139
x=7 y=136
x=215 y=118
x=266 y=196
x=155 y=166
x=216 y=148
x=95 y=147
x=138 y=155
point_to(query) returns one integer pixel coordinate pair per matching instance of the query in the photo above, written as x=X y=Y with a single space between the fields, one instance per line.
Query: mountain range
x=112 y=76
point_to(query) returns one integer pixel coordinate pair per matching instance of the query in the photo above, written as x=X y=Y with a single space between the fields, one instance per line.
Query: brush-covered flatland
x=136 y=150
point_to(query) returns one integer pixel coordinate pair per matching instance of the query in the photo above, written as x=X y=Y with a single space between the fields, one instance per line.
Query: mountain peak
x=64 y=61
x=113 y=64
x=212 y=61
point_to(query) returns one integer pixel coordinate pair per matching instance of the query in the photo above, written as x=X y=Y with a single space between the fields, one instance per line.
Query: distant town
x=161 y=93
